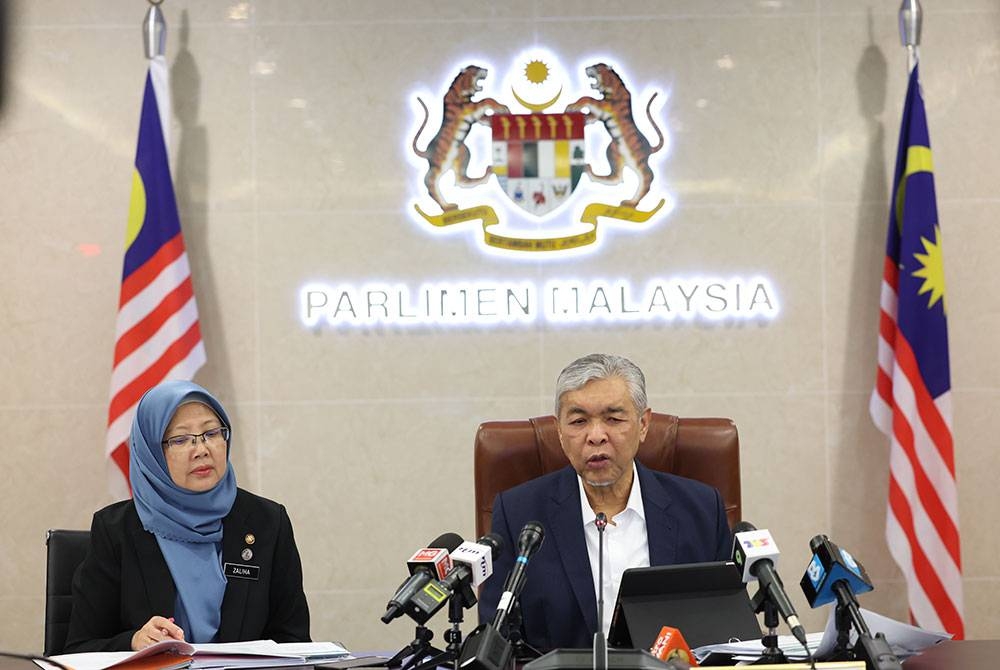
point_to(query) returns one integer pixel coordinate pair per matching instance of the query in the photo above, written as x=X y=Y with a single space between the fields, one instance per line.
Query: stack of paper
x=175 y=654
x=751 y=650
x=904 y=639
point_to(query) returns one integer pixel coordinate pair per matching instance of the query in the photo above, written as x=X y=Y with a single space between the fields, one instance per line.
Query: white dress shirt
x=625 y=543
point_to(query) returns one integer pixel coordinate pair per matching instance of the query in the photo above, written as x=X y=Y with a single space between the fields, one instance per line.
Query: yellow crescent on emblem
x=539 y=106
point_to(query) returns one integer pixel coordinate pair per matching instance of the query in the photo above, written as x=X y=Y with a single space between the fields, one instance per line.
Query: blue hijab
x=187 y=524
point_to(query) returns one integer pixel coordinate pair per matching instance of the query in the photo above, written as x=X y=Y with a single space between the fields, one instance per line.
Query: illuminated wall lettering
x=521 y=158
x=558 y=301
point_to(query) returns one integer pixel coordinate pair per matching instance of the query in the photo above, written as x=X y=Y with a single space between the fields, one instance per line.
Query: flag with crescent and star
x=157 y=333
x=911 y=402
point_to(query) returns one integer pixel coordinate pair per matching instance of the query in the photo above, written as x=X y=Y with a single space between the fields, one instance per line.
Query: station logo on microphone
x=534 y=156
x=815 y=571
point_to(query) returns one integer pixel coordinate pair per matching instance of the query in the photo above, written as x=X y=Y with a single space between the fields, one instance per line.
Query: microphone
x=833 y=574
x=474 y=560
x=755 y=554
x=460 y=579
x=670 y=645
x=487 y=648
x=430 y=563
x=528 y=542
x=831 y=565
x=600 y=642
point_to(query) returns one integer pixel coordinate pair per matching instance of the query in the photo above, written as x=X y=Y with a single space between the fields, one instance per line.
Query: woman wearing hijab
x=190 y=556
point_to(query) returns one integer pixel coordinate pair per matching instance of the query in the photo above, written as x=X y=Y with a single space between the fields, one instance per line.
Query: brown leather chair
x=508 y=453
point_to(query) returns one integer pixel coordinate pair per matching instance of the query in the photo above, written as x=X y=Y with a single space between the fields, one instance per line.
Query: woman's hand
x=155 y=630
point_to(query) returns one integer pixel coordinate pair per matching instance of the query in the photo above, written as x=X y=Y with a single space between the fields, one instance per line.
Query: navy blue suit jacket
x=685 y=523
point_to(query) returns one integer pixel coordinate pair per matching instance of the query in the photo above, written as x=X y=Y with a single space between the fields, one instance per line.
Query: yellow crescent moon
x=536 y=107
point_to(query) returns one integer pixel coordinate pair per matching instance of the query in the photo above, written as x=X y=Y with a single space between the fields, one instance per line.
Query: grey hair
x=602 y=366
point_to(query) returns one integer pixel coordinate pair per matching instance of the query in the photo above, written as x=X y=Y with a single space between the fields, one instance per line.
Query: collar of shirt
x=634 y=501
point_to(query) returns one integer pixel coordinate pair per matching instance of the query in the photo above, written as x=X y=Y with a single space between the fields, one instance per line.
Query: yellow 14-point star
x=932 y=270
x=536 y=72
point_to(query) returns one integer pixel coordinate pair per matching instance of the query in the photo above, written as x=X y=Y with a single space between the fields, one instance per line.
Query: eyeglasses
x=212 y=436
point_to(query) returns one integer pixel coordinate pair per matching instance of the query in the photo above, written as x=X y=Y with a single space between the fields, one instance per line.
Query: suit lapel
x=160 y=589
x=661 y=531
x=571 y=544
x=234 y=529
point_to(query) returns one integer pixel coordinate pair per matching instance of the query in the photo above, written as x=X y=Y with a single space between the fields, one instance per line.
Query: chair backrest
x=508 y=453
x=66 y=550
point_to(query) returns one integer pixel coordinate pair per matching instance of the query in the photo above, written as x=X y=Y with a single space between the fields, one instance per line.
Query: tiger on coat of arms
x=447 y=150
x=628 y=145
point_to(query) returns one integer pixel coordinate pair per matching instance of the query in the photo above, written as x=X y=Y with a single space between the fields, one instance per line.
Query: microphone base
x=875 y=651
x=771 y=656
x=485 y=649
x=618 y=659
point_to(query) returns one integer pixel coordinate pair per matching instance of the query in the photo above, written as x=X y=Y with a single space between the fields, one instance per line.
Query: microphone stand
x=576 y=659
x=462 y=598
x=523 y=651
x=772 y=653
x=600 y=642
x=417 y=650
x=874 y=650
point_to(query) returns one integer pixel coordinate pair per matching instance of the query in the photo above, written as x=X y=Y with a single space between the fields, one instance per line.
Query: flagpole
x=154 y=31
x=910 y=19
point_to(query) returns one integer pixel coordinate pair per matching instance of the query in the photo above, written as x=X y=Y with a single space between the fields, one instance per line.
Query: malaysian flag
x=911 y=402
x=156 y=335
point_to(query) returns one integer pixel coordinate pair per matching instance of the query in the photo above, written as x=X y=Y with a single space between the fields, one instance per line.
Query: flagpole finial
x=154 y=30
x=911 y=18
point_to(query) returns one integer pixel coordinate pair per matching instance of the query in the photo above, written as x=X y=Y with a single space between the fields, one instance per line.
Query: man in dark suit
x=654 y=518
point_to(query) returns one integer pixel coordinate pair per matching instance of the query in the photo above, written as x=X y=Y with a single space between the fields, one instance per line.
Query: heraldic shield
x=538 y=158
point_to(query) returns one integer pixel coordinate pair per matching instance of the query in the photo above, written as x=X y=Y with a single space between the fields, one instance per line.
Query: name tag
x=241 y=571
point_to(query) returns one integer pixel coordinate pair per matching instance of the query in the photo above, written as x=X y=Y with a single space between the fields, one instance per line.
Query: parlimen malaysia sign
x=553 y=171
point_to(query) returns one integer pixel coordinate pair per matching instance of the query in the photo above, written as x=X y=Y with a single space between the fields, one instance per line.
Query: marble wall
x=291 y=130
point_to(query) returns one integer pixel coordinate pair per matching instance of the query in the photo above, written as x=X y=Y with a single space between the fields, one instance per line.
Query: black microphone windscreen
x=744 y=527
x=816 y=542
x=449 y=541
x=530 y=538
x=494 y=542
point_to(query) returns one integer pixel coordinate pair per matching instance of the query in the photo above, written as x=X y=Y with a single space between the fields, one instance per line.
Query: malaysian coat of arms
x=539 y=159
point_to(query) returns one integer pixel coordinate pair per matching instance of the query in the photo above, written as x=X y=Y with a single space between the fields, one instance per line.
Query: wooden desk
x=957 y=655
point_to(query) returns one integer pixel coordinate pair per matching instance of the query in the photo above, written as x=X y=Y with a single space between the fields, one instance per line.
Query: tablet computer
x=707 y=602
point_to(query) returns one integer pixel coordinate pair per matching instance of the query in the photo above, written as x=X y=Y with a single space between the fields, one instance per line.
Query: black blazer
x=124 y=580
x=685 y=523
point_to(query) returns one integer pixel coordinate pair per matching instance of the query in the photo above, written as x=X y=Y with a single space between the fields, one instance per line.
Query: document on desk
x=751 y=650
x=176 y=654
x=904 y=639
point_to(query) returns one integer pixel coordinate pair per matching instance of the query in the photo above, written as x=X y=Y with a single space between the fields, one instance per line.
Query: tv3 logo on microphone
x=757 y=542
